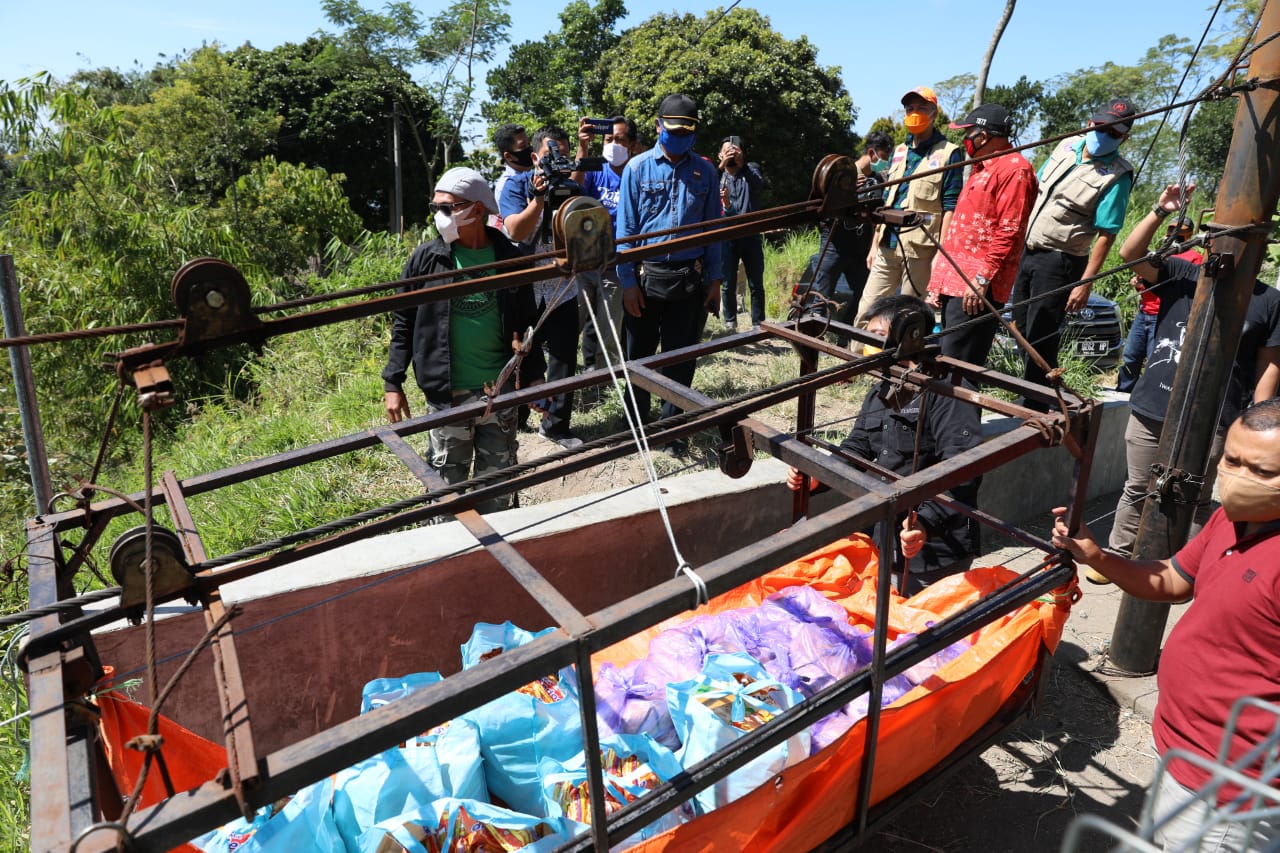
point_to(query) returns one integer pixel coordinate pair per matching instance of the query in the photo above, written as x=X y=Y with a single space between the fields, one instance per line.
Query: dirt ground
x=1082 y=754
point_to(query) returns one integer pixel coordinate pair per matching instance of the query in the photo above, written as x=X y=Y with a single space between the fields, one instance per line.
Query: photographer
x=604 y=293
x=525 y=213
x=741 y=184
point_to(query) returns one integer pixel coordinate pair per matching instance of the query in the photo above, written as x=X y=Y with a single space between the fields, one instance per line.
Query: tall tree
x=446 y=47
x=336 y=103
x=980 y=87
x=554 y=80
x=747 y=80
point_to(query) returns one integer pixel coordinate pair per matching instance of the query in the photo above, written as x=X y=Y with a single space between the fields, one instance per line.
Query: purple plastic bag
x=628 y=704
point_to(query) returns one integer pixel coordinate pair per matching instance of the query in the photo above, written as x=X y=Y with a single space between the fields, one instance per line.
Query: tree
x=98 y=231
x=955 y=94
x=201 y=125
x=980 y=87
x=466 y=33
x=335 y=105
x=554 y=80
x=448 y=45
x=1022 y=100
x=747 y=80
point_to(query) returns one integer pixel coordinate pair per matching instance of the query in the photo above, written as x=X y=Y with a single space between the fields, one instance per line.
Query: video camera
x=556 y=169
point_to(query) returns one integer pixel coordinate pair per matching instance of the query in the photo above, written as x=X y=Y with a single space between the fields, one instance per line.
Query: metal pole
x=24 y=387
x=1248 y=194
x=397 y=203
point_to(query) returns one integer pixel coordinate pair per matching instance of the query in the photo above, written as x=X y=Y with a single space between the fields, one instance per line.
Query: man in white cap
x=460 y=345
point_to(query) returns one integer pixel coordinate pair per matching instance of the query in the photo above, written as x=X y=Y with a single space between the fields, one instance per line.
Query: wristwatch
x=981 y=280
x=1159 y=211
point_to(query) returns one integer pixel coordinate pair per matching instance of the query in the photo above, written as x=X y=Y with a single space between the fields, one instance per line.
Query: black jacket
x=421 y=334
x=888 y=438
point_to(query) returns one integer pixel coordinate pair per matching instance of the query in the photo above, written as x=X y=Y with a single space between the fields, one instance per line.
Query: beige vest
x=1062 y=217
x=923 y=196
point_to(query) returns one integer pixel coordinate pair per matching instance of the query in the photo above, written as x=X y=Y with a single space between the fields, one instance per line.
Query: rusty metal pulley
x=835 y=181
x=907 y=333
x=214 y=298
x=582 y=227
x=170 y=573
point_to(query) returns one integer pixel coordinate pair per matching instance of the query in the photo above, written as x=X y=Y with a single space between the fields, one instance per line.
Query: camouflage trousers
x=475 y=447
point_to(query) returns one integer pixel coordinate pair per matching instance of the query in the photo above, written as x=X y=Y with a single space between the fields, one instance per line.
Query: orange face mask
x=917 y=122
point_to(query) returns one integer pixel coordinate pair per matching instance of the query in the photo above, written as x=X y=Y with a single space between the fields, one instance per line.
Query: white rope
x=635 y=424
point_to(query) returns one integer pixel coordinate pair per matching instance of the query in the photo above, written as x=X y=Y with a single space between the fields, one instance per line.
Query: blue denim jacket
x=657 y=194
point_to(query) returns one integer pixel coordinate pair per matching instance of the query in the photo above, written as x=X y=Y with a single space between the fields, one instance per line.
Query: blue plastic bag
x=304 y=825
x=733 y=695
x=633 y=765
x=541 y=720
x=444 y=762
x=450 y=824
x=380 y=691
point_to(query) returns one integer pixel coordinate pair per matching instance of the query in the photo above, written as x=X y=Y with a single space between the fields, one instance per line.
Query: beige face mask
x=1247 y=499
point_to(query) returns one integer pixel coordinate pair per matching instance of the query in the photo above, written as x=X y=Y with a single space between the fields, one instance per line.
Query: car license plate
x=1091 y=347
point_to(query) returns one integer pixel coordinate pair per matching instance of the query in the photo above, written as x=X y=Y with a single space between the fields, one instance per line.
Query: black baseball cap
x=678 y=112
x=990 y=117
x=1117 y=108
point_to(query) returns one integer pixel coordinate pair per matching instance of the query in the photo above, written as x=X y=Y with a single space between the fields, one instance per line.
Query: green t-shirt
x=477 y=352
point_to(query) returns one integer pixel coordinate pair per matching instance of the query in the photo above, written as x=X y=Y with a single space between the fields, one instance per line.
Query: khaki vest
x=923 y=196
x=1062 y=217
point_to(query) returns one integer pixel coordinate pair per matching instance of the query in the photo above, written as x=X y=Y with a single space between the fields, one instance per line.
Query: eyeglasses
x=448 y=208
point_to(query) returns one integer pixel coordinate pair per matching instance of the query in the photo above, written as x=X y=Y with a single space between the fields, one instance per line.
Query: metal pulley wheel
x=907 y=333
x=214 y=298
x=170 y=573
x=584 y=229
x=835 y=181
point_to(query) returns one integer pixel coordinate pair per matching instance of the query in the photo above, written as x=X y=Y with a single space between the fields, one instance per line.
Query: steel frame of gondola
x=67 y=810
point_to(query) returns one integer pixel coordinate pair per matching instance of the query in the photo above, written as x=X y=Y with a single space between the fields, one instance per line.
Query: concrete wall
x=313 y=634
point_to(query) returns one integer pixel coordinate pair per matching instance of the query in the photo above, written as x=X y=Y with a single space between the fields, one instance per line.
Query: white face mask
x=615 y=154
x=447 y=225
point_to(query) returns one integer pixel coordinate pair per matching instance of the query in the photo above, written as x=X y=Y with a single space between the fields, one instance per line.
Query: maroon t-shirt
x=1226 y=646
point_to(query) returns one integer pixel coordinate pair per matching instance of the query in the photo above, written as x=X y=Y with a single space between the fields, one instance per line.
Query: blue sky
x=943 y=37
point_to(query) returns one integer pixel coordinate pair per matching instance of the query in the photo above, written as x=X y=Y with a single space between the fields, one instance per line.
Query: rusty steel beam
x=302 y=321
x=1248 y=194
x=503 y=552
x=237 y=729
x=102 y=511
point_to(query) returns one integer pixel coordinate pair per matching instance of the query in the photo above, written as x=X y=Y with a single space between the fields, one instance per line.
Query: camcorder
x=557 y=168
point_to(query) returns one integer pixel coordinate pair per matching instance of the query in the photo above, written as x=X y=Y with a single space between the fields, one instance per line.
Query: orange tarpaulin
x=814 y=799
x=189 y=759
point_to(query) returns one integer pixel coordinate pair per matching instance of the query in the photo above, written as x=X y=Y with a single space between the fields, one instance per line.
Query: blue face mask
x=675 y=145
x=1100 y=144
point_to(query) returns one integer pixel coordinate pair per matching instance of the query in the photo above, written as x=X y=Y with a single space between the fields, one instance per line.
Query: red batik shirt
x=988 y=228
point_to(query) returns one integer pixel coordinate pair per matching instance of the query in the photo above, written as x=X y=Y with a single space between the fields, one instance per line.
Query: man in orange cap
x=900 y=261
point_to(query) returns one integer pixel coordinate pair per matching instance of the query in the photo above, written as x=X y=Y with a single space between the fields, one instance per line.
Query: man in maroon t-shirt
x=1227 y=644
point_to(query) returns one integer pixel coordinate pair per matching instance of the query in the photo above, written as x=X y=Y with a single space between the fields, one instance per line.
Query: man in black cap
x=985 y=240
x=665 y=187
x=1084 y=194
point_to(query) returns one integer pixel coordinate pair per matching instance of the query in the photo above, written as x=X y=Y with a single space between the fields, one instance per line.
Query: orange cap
x=924 y=92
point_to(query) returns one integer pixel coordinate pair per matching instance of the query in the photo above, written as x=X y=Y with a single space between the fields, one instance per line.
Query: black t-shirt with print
x=1177 y=288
